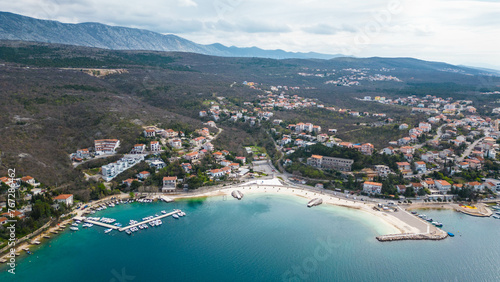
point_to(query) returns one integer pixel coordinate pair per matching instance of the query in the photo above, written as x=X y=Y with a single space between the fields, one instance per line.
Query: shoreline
x=402 y=221
x=481 y=209
x=408 y=226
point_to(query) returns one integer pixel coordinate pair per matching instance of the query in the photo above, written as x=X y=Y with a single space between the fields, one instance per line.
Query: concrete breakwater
x=315 y=202
x=237 y=194
x=399 y=237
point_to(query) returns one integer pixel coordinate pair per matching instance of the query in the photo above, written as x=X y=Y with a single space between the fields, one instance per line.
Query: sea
x=262 y=237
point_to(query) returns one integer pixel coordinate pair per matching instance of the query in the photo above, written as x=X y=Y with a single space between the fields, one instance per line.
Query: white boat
x=108 y=230
x=73 y=228
x=183 y=213
x=495 y=216
x=175 y=216
x=128 y=232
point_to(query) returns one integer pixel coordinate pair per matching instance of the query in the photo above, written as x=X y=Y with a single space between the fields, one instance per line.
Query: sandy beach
x=403 y=221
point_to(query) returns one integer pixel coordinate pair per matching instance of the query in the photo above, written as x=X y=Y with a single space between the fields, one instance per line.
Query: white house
x=169 y=183
x=155 y=146
x=65 y=198
x=443 y=185
x=372 y=187
x=106 y=146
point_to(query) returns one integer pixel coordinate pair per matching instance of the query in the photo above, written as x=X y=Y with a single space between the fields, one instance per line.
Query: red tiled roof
x=63 y=196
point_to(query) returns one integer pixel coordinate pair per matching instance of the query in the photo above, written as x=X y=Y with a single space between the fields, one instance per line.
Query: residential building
x=401 y=189
x=170 y=133
x=372 y=187
x=367 y=148
x=66 y=199
x=191 y=156
x=169 y=184
x=388 y=151
x=475 y=185
x=218 y=156
x=403 y=166
x=330 y=162
x=149 y=133
x=82 y=153
x=18 y=214
x=29 y=180
x=186 y=167
x=429 y=183
x=382 y=170
x=420 y=167
x=175 y=143
x=106 y=146
x=407 y=150
x=138 y=149
x=154 y=146
x=443 y=186
x=143 y=175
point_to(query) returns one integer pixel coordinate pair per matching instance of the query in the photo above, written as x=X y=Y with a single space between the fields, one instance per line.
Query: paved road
x=436 y=137
x=469 y=149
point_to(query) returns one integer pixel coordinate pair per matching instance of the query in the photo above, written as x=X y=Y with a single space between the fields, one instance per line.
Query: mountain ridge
x=92 y=34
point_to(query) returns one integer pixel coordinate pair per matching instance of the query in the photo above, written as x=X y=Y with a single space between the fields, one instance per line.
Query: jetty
x=114 y=227
x=237 y=194
x=479 y=210
x=315 y=202
x=400 y=237
x=149 y=220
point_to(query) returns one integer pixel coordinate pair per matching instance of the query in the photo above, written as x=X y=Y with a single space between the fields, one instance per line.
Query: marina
x=107 y=222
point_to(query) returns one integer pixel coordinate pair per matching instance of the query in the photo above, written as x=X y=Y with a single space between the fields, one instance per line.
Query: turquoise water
x=263 y=238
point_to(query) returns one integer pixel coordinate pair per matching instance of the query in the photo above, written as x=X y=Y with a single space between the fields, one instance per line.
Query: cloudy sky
x=458 y=32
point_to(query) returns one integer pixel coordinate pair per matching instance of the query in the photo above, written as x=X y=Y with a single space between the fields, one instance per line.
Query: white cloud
x=455 y=31
x=187 y=3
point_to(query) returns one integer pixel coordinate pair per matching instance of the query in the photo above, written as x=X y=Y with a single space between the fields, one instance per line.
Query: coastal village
x=420 y=167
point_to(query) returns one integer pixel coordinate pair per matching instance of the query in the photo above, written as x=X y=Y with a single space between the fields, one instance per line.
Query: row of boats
x=179 y=214
x=424 y=217
x=153 y=223
x=497 y=213
x=113 y=203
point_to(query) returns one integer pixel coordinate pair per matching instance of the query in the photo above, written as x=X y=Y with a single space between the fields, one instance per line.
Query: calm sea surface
x=263 y=238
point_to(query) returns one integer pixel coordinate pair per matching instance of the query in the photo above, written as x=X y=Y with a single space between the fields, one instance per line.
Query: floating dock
x=237 y=194
x=315 y=202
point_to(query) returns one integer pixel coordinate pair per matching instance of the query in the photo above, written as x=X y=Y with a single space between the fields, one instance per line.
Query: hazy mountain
x=18 y=27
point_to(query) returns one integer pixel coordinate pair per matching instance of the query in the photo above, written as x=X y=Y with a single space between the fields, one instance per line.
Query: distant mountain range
x=18 y=27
